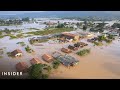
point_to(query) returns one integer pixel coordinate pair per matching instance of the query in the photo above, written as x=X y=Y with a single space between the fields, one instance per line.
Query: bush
x=110 y=37
x=21 y=43
x=12 y=37
x=28 y=49
x=101 y=38
x=45 y=76
x=56 y=64
x=108 y=41
x=83 y=52
x=98 y=43
x=9 y=54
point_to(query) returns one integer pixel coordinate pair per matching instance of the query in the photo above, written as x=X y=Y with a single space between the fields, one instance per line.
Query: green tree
x=26 y=19
x=116 y=25
x=37 y=71
x=84 y=27
x=60 y=26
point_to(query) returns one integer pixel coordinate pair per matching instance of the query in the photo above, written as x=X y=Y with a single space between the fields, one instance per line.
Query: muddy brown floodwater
x=102 y=62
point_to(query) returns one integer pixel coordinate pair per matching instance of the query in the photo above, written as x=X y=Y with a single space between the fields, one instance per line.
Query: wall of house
x=19 y=54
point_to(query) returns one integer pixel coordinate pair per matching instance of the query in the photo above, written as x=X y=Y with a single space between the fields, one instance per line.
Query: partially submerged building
x=16 y=53
x=72 y=47
x=70 y=36
x=86 y=34
x=22 y=67
x=47 y=58
x=56 y=54
x=35 y=61
x=67 y=60
x=66 y=50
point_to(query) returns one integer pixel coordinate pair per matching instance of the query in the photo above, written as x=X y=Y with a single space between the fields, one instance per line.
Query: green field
x=51 y=31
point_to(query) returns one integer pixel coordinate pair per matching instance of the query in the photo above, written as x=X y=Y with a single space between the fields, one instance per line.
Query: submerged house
x=67 y=60
x=66 y=50
x=70 y=36
x=35 y=61
x=56 y=54
x=47 y=58
x=16 y=53
x=22 y=67
x=72 y=47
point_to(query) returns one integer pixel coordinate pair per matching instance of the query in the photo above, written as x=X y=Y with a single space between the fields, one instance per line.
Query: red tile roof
x=47 y=57
x=21 y=67
x=35 y=61
x=16 y=51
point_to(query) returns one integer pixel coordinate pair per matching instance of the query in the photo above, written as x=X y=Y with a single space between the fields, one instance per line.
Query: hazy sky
x=22 y=12
x=16 y=12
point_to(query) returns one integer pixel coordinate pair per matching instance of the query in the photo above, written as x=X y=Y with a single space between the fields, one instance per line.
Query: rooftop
x=68 y=34
x=35 y=61
x=47 y=57
x=21 y=66
x=16 y=51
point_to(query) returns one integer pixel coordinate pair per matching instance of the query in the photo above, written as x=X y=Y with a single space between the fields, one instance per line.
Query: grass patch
x=98 y=43
x=39 y=41
x=1 y=56
x=28 y=36
x=12 y=37
x=2 y=36
x=21 y=43
x=53 y=31
x=19 y=36
x=83 y=52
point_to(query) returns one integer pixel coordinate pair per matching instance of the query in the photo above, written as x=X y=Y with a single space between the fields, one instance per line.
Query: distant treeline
x=10 y=22
x=7 y=22
x=92 y=18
